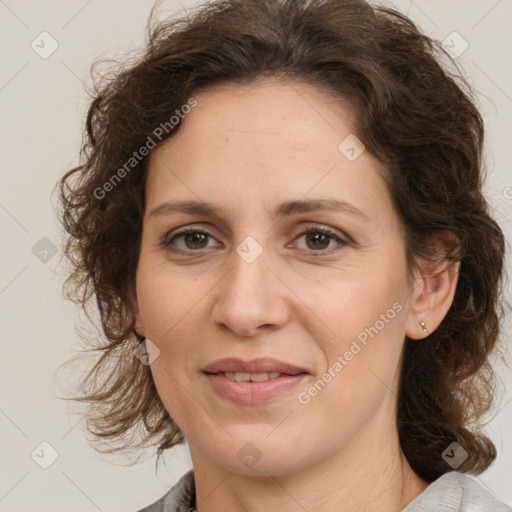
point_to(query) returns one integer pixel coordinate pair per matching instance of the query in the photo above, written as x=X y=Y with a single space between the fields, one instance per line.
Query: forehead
x=270 y=107
x=268 y=142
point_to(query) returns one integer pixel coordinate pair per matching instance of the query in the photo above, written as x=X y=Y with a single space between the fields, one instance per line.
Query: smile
x=252 y=388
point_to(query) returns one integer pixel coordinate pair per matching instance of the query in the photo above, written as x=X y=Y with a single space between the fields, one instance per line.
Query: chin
x=260 y=458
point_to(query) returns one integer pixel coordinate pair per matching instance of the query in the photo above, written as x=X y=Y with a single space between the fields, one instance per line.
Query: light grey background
x=42 y=102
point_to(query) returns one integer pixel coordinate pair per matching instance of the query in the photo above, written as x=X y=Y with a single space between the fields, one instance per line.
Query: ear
x=134 y=307
x=434 y=289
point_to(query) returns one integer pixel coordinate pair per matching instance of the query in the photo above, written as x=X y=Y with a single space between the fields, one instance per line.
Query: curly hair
x=414 y=114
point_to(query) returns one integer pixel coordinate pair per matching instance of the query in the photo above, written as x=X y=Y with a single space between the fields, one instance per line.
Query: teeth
x=253 y=377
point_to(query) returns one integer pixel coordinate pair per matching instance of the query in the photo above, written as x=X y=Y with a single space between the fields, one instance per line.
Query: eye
x=319 y=239
x=193 y=238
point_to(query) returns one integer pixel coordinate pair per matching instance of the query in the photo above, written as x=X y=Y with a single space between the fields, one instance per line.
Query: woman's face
x=249 y=284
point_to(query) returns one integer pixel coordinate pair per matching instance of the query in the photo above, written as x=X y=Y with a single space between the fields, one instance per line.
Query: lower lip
x=253 y=393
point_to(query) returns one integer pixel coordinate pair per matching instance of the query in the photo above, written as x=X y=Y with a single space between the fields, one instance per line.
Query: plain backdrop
x=43 y=102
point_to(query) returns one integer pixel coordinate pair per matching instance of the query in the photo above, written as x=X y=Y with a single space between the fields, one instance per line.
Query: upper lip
x=261 y=365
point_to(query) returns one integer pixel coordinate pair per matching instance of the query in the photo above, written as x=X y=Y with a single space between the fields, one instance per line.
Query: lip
x=253 y=393
x=260 y=365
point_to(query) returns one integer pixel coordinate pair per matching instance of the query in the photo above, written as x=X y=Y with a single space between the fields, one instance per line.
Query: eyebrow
x=285 y=209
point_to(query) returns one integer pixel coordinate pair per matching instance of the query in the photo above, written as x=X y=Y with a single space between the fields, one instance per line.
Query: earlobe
x=424 y=327
x=433 y=294
x=138 y=325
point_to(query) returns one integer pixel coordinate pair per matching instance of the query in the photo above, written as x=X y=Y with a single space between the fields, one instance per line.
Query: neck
x=366 y=476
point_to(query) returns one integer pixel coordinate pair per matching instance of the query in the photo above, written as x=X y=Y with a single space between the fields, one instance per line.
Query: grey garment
x=180 y=498
x=451 y=492
x=456 y=492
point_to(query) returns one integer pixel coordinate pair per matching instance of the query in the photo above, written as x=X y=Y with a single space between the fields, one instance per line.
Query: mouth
x=250 y=377
x=237 y=369
x=253 y=382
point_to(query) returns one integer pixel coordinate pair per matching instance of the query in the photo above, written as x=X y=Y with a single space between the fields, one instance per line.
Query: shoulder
x=456 y=492
x=179 y=498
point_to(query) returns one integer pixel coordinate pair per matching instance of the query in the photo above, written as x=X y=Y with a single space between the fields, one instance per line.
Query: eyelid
x=183 y=231
x=342 y=240
x=324 y=229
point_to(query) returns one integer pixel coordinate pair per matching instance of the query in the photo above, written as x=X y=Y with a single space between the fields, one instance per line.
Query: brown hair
x=415 y=116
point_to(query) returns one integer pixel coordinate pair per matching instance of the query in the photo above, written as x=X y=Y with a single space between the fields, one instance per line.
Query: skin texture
x=303 y=300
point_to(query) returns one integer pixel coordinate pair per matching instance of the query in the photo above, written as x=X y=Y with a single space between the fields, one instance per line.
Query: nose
x=251 y=299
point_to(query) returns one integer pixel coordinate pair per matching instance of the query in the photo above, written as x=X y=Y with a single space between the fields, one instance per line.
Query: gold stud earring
x=422 y=325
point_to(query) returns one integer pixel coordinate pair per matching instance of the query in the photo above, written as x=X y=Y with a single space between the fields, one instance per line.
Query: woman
x=281 y=204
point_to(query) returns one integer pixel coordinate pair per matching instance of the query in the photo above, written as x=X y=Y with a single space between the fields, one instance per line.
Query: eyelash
x=167 y=243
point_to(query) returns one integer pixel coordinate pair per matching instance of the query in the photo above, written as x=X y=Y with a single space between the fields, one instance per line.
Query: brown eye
x=193 y=240
x=317 y=240
x=320 y=240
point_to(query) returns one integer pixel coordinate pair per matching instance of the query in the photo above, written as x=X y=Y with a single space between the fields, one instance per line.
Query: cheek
x=361 y=357
x=364 y=320
x=347 y=306
x=171 y=311
x=165 y=300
